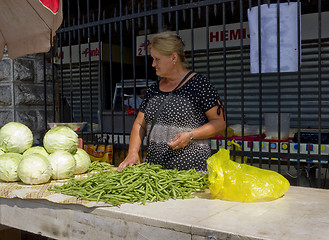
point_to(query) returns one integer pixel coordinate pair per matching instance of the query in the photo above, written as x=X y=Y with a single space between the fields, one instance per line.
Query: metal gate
x=122 y=30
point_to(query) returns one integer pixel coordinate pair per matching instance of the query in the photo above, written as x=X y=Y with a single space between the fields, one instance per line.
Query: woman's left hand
x=181 y=140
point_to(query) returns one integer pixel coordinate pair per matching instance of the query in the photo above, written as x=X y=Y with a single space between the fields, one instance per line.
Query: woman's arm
x=216 y=123
x=136 y=137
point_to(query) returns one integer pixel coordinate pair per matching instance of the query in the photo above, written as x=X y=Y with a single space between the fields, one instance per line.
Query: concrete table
x=303 y=213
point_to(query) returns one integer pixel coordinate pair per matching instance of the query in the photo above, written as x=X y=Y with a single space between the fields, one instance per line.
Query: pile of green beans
x=99 y=166
x=139 y=183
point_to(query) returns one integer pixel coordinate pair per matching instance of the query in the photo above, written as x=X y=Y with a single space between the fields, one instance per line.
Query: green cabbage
x=82 y=161
x=61 y=138
x=15 y=137
x=8 y=166
x=63 y=164
x=36 y=149
x=1 y=152
x=34 y=169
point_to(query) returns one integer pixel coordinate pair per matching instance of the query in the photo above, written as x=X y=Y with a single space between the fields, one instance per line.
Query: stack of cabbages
x=59 y=158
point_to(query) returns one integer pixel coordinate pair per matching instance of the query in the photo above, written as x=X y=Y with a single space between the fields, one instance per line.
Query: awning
x=26 y=25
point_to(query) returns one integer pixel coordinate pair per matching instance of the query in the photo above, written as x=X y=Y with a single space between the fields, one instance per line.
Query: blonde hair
x=167 y=43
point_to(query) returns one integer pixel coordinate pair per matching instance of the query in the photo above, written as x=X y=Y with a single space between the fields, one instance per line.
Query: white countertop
x=303 y=213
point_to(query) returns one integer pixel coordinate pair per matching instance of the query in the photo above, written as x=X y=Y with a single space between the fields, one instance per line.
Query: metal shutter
x=312 y=92
x=90 y=96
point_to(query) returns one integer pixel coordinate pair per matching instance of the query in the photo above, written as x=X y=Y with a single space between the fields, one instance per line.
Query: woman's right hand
x=136 y=137
x=130 y=160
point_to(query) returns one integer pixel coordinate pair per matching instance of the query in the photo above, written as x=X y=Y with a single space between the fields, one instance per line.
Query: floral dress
x=184 y=111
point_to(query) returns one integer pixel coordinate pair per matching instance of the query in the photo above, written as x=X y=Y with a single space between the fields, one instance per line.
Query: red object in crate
x=250 y=138
x=239 y=138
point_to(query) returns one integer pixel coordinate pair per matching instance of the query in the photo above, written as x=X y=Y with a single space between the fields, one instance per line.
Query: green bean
x=145 y=195
x=140 y=183
x=99 y=166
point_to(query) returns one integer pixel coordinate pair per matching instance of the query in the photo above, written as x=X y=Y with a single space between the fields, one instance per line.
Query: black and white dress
x=184 y=111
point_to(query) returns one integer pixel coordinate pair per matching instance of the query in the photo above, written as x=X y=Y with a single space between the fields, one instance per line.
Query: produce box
x=100 y=152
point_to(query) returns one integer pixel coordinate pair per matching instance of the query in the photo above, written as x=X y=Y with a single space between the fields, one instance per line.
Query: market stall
x=301 y=214
x=57 y=192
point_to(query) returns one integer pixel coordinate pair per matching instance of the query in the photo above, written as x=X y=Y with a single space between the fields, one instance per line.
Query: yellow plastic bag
x=230 y=180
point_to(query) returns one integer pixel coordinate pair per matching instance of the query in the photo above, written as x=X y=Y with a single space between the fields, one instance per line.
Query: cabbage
x=8 y=166
x=61 y=138
x=36 y=149
x=1 y=152
x=63 y=164
x=34 y=169
x=82 y=160
x=15 y=137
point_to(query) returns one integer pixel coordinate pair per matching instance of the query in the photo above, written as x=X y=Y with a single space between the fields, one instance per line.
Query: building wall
x=22 y=93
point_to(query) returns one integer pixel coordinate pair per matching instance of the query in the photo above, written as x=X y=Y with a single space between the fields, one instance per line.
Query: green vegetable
x=34 y=169
x=15 y=137
x=97 y=166
x=36 y=149
x=82 y=160
x=61 y=138
x=62 y=163
x=8 y=166
x=140 y=183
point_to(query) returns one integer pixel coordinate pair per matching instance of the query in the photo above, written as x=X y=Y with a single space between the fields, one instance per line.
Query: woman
x=179 y=136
